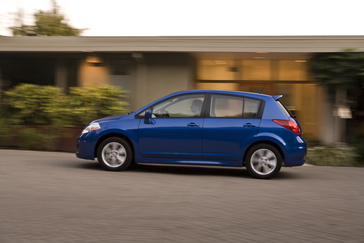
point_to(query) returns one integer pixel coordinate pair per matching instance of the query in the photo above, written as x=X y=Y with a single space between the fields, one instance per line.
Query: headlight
x=91 y=127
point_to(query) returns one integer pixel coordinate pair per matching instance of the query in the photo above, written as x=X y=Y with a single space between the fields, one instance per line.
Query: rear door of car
x=231 y=121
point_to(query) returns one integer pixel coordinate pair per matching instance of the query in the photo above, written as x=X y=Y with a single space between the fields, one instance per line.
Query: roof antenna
x=262 y=88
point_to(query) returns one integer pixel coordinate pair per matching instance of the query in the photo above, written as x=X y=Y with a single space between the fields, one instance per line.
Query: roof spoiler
x=277 y=97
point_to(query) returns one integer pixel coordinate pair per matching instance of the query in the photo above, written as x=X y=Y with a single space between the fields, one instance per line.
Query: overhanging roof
x=190 y=44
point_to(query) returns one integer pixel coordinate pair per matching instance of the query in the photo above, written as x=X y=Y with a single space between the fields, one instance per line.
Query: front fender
x=88 y=142
x=130 y=134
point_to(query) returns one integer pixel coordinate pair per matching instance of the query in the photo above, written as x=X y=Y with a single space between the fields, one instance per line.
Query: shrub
x=37 y=115
x=34 y=105
x=94 y=102
x=359 y=149
x=4 y=131
x=37 y=105
x=32 y=116
x=335 y=155
x=38 y=138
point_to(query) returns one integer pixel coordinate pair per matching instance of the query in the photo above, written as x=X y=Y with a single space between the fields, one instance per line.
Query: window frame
x=138 y=116
x=205 y=111
x=259 y=112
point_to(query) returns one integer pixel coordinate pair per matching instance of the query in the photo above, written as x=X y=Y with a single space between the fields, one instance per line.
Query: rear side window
x=251 y=108
x=225 y=106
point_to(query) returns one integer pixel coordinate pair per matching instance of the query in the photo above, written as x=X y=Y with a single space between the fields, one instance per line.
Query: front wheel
x=263 y=161
x=114 y=154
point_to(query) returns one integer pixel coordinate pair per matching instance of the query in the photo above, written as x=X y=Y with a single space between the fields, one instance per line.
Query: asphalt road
x=55 y=197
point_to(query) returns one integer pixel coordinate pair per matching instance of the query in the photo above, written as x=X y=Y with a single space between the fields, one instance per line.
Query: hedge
x=35 y=113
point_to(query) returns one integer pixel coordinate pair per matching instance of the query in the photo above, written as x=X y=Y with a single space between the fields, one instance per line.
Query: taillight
x=290 y=125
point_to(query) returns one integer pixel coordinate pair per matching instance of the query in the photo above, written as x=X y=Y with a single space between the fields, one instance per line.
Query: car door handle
x=192 y=124
x=248 y=125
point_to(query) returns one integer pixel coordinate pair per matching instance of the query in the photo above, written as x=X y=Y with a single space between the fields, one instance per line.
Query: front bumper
x=85 y=148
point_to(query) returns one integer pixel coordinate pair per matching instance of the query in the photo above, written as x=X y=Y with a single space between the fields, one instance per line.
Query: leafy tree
x=343 y=70
x=50 y=23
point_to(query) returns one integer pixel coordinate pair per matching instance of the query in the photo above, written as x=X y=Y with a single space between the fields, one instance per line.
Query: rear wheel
x=263 y=161
x=114 y=154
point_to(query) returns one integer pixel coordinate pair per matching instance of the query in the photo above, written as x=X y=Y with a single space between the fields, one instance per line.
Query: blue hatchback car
x=200 y=127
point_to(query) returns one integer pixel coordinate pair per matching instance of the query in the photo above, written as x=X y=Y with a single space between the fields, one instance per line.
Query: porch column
x=333 y=126
x=61 y=74
x=140 y=88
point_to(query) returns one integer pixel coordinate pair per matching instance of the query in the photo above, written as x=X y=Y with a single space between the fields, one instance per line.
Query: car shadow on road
x=188 y=170
x=173 y=169
x=285 y=175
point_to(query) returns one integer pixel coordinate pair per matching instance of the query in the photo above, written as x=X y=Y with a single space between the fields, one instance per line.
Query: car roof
x=228 y=92
x=199 y=91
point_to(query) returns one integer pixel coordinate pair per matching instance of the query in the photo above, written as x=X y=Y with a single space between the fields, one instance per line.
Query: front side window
x=224 y=106
x=182 y=106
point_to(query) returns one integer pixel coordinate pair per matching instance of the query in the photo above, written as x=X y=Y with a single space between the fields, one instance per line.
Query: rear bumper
x=295 y=156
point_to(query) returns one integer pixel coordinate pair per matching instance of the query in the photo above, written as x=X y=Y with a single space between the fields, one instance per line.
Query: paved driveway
x=55 y=197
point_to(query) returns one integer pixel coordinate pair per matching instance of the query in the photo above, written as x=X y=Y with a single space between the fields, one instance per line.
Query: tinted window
x=283 y=108
x=251 y=108
x=178 y=107
x=233 y=106
x=226 y=106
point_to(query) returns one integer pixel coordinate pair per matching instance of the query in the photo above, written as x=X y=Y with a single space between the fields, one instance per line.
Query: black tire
x=114 y=154
x=263 y=161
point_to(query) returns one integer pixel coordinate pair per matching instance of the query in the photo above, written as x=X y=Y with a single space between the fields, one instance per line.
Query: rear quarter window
x=284 y=109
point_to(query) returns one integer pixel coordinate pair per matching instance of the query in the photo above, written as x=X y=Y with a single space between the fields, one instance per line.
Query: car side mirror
x=148 y=117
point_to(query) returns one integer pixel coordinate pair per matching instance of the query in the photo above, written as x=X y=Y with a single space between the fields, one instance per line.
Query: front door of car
x=232 y=122
x=174 y=130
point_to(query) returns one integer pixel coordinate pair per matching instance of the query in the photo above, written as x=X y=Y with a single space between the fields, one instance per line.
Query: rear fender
x=267 y=138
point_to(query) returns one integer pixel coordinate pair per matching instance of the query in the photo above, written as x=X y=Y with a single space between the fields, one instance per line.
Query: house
x=152 y=67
